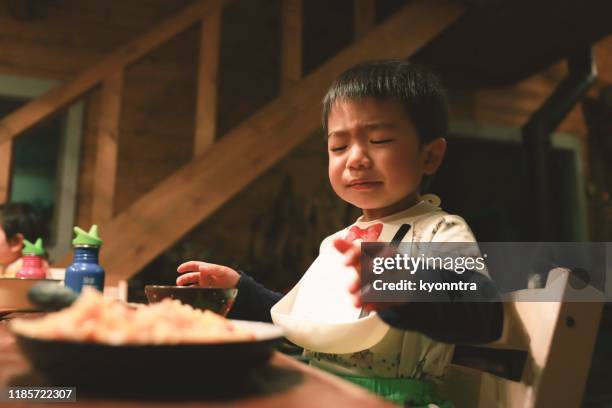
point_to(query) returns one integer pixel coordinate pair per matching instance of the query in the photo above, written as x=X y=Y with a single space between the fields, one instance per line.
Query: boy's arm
x=254 y=301
x=458 y=316
x=466 y=317
x=461 y=316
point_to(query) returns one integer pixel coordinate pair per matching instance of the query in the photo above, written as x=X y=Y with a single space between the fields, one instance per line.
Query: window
x=45 y=160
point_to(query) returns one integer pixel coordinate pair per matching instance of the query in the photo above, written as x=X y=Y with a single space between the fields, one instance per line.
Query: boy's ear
x=16 y=243
x=433 y=155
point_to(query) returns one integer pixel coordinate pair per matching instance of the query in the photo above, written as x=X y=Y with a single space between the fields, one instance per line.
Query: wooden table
x=285 y=382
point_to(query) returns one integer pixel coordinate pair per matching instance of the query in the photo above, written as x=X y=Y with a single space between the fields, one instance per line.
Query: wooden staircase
x=220 y=168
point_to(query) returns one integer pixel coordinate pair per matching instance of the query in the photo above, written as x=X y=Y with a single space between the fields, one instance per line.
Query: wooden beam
x=107 y=148
x=69 y=170
x=365 y=16
x=52 y=101
x=6 y=161
x=291 y=37
x=200 y=187
x=208 y=73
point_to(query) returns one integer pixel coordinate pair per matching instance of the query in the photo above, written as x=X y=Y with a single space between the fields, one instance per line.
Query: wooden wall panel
x=65 y=37
x=292 y=39
x=207 y=83
x=6 y=155
x=249 y=70
x=365 y=16
x=87 y=163
x=107 y=148
x=157 y=119
x=328 y=28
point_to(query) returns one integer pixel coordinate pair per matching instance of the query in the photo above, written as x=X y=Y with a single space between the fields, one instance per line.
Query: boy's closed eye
x=373 y=141
x=337 y=148
x=381 y=141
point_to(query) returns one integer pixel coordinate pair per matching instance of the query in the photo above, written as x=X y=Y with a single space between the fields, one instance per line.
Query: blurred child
x=385 y=123
x=18 y=221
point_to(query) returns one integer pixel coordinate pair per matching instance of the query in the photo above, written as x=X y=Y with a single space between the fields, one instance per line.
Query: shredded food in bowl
x=94 y=318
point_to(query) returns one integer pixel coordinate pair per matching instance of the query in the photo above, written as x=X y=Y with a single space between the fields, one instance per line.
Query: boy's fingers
x=355 y=285
x=352 y=257
x=351 y=250
x=188 y=278
x=368 y=307
x=202 y=267
x=190 y=266
x=342 y=245
x=211 y=270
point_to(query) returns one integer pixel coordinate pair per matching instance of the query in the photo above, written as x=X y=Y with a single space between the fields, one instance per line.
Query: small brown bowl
x=215 y=299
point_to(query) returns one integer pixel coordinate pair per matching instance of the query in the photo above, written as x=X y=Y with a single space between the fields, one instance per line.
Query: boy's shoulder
x=433 y=225
x=428 y=223
x=328 y=241
x=441 y=226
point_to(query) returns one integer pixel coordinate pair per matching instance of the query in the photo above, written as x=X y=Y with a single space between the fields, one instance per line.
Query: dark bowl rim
x=184 y=287
x=165 y=346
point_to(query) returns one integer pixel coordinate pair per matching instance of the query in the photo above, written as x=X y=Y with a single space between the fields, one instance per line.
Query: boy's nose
x=358 y=158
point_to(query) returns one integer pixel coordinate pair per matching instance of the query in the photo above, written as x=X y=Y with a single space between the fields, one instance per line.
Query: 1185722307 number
x=47 y=394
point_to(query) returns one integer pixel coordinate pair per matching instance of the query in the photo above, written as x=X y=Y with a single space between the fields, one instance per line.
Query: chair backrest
x=558 y=337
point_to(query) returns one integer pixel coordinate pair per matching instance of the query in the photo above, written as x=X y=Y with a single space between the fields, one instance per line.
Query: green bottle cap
x=90 y=238
x=33 y=249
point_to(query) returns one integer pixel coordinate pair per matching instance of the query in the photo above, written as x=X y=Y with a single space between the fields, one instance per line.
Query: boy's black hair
x=419 y=90
x=20 y=218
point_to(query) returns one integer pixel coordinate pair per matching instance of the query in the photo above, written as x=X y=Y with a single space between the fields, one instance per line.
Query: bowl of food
x=217 y=300
x=151 y=347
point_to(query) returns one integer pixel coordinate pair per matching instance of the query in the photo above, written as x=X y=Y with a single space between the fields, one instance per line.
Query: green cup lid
x=87 y=238
x=36 y=248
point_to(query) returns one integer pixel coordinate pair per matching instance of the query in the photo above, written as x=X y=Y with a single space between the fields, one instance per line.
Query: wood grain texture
x=208 y=83
x=6 y=156
x=107 y=148
x=291 y=42
x=87 y=163
x=365 y=16
x=69 y=36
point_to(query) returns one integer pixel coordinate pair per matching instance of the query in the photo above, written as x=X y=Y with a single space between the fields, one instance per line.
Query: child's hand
x=352 y=257
x=207 y=275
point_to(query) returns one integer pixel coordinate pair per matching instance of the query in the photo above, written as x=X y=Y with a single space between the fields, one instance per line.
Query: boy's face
x=375 y=161
x=10 y=250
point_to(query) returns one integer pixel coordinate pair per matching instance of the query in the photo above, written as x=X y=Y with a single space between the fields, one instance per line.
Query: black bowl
x=104 y=367
x=215 y=299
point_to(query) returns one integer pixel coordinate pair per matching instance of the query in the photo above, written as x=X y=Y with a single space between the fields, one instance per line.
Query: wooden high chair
x=558 y=338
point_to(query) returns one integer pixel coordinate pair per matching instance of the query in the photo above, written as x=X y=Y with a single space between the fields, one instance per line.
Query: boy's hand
x=207 y=275
x=352 y=257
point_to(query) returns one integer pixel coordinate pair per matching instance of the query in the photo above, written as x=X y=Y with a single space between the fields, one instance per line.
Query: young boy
x=385 y=123
x=18 y=221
